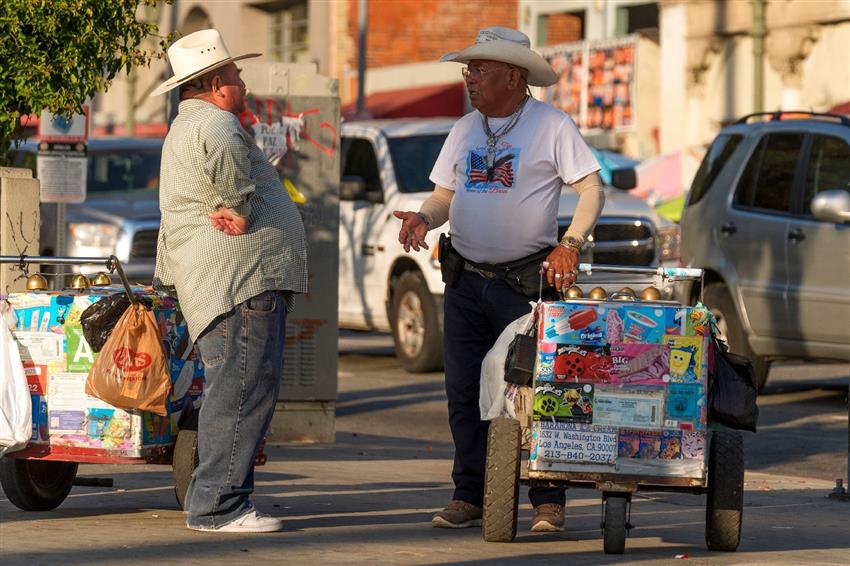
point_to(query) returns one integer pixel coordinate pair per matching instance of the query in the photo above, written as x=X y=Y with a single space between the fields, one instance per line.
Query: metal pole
x=130 y=119
x=174 y=95
x=362 y=25
x=758 y=55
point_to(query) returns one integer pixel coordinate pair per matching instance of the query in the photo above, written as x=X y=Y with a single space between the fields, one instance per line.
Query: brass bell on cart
x=598 y=293
x=574 y=293
x=36 y=282
x=102 y=279
x=80 y=282
x=650 y=294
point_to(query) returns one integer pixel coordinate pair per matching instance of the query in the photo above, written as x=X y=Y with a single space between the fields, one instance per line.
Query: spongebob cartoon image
x=681 y=361
x=685 y=358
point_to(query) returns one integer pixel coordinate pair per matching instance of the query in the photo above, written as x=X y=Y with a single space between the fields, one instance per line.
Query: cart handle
x=111 y=263
x=683 y=272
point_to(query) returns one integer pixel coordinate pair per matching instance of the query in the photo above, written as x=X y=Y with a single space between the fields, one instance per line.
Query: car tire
x=415 y=322
x=719 y=301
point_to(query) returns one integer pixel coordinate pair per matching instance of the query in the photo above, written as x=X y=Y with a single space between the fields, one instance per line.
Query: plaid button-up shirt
x=209 y=161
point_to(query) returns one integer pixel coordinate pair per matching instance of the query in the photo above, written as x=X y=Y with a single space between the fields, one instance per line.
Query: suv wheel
x=417 y=334
x=717 y=299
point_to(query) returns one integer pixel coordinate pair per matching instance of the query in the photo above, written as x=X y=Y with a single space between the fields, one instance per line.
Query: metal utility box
x=294 y=115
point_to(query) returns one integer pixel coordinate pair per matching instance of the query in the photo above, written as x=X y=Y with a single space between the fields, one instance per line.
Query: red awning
x=419 y=102
x=843 y=108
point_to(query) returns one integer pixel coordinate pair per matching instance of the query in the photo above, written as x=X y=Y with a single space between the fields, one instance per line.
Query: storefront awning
x=418 y=102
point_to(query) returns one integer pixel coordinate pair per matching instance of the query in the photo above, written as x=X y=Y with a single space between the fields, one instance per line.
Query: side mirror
x=832 y=206
x=353 y=188
x=624 y=179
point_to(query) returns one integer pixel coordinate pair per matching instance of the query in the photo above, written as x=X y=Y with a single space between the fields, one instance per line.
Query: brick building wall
x=411 y=31
x=563 y=28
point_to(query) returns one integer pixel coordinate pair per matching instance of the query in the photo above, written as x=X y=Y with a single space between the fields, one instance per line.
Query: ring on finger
x=558 y=275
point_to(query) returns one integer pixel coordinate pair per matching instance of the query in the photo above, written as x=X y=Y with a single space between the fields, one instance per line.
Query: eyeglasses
x=479 y=71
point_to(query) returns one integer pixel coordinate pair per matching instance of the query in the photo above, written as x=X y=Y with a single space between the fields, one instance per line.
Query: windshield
x=123 y=170
x=413 y=158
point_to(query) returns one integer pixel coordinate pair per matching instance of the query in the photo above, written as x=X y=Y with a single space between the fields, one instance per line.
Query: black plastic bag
x=99 y=319
x=732 y=390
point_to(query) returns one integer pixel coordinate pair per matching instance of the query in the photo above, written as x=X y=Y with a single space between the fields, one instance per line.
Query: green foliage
x=57 y=53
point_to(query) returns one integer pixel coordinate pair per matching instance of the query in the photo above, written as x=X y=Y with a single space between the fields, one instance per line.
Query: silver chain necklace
x=494 y=137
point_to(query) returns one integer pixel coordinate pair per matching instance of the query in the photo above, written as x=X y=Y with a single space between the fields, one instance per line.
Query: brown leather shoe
x=457 y=515
x=548 y=518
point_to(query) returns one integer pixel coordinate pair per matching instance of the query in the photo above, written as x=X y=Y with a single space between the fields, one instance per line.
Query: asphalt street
x=367 y=499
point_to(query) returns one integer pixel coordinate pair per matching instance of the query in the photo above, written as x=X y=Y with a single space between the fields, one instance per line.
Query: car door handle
x=796 y=235
x=729 y=228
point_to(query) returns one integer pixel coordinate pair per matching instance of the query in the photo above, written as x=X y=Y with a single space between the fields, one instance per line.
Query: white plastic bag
x=496 y=395
x=15 y=401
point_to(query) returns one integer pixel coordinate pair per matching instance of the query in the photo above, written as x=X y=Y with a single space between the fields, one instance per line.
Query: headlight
x=90 y=240
x=668 y=243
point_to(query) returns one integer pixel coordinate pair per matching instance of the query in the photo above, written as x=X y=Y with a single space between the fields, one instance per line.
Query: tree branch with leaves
x=56 y=54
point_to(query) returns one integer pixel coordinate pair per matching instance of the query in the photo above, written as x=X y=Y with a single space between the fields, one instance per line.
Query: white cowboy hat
x=195 y=54
x=508 y=46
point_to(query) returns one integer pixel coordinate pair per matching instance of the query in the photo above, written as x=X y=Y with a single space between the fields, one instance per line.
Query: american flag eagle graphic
x=502 y=171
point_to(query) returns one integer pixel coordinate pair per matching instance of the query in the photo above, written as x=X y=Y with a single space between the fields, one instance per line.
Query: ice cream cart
x=70 y=427
x=617 y=402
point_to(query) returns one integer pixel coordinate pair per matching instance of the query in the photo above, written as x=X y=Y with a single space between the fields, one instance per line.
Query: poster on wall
x=596 y=82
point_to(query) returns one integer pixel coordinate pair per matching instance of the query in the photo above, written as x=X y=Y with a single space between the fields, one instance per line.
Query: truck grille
x=144 y=244
x=620 y=241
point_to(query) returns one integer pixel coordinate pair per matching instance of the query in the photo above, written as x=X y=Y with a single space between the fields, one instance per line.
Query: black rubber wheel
x=36 y=485
x=184 y=462
x=415 y=322
x=614 y=522
x=724 y=509
x=501 y=481
x=718 y=300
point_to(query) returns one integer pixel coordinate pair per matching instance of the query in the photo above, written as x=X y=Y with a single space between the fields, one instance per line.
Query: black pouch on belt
x=451 y=263
x=525 y=278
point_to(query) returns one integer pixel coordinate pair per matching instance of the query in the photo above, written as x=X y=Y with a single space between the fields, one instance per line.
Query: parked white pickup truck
x=385 y=167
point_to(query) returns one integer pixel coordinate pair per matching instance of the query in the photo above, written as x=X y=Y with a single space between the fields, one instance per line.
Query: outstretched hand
x=225 y=221
x=413 y=230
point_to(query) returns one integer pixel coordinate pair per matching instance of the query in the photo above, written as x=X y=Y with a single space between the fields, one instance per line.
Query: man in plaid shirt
x=232 y=243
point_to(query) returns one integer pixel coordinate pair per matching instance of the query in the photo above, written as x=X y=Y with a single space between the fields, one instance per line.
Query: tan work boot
x=548 y=518
x=457 y=515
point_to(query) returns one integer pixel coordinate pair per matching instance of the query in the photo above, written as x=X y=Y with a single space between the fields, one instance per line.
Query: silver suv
x=768 y=218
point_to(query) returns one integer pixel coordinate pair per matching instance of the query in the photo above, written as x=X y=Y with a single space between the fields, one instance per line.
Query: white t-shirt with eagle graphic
x=511 y=211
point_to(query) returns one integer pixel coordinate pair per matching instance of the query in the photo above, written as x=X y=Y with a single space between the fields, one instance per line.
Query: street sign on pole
x=62 y=162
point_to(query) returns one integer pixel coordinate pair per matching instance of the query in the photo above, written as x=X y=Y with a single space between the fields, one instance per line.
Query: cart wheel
x=501 y=481
x=184 y=463
x=725 y=506
x=36 y=485
x=614 y=522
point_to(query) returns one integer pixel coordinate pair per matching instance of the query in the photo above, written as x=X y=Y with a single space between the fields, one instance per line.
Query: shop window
x=637 y=17
x=288 y=38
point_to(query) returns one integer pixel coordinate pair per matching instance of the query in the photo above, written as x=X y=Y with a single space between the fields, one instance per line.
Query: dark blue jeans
x=242 y=352
x=476 y=311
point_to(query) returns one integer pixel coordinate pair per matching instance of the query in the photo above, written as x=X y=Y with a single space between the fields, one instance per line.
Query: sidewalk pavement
x=368 y=500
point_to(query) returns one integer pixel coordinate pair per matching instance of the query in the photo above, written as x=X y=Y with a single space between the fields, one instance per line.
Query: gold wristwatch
x=571 y=242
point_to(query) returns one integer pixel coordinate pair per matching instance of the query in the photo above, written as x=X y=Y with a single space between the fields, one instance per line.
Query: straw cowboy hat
x=508 y=46
x=195 y=54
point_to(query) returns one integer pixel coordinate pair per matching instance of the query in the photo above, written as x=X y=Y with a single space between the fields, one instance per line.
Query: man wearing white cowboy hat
x=498 y=179
x=232 y=244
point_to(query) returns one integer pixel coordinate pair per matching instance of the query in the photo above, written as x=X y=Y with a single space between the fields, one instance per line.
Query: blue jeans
x=476 y=311
x=242 y=352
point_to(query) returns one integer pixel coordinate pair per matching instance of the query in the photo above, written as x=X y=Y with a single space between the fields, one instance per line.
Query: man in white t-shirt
x=498 y=180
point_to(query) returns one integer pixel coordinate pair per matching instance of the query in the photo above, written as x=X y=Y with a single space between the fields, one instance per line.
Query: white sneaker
x=251 y=522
